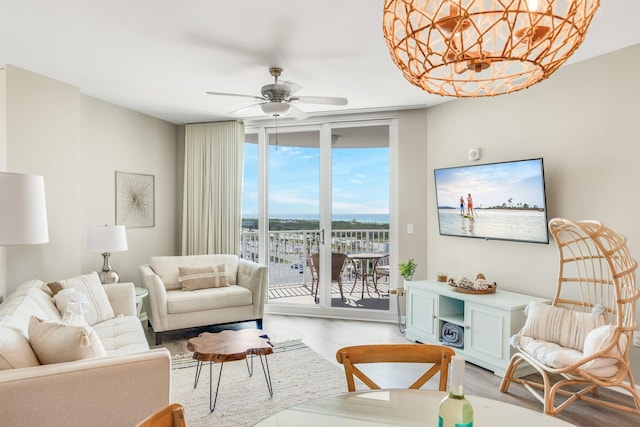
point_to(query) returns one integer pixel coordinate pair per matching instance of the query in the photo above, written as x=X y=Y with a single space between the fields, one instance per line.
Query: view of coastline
x=310 y=221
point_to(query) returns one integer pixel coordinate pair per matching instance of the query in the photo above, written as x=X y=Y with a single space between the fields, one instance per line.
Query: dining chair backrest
x=338 y=262
x=437 y=356
x=170 y=416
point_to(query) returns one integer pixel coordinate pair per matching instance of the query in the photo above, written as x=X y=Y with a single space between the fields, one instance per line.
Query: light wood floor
x=326 y=336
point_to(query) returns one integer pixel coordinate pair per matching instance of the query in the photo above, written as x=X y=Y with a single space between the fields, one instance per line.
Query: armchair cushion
x=193 y=278
x=167 y=267
x=208 y=299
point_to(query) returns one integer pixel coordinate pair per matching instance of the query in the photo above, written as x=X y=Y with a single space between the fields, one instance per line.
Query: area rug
x=297 y=374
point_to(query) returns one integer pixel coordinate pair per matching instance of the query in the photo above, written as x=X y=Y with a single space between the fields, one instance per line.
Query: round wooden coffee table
x=227 y=346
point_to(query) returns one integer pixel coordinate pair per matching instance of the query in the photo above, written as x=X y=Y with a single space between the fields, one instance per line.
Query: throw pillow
x=54 y=287
x=99 y=306
x=599 y=339
x=193 y=278
x=55 y=342
x=567 y=328
x=15 y=351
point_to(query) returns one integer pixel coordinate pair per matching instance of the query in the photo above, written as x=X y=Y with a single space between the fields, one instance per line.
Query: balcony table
x=363 y=260
x=401 y=407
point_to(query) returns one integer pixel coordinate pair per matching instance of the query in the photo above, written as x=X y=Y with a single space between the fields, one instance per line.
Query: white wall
x=3 y=168
x=583 y=122
x=77 y=143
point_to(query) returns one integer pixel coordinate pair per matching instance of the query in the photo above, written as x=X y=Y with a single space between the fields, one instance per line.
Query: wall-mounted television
x=497 y=201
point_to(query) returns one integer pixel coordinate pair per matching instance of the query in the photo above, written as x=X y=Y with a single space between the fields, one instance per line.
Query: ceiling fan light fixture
x=477 y=48
x=273 y=108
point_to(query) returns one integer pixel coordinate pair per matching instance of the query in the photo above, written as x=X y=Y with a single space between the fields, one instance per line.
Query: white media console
x=488 y=320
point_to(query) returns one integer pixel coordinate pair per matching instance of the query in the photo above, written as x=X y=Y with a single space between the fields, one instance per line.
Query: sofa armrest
x=158 y=308
x=122 y=297
x=254 y=277
x=107 y=391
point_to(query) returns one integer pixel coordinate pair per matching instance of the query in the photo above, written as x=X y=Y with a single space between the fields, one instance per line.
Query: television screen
x=502 y=201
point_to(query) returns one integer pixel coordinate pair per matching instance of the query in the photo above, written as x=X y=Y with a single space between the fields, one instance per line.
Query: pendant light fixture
x=476 y=48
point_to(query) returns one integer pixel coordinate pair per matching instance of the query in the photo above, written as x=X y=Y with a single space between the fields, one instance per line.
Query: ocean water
x=522 y=225
x=364 y=218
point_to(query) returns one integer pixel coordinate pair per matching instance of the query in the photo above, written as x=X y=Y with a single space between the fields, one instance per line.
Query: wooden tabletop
x=229 y=345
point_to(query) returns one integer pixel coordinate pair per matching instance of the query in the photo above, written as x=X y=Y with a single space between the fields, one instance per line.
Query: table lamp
x=23 y=210
x=106 y=239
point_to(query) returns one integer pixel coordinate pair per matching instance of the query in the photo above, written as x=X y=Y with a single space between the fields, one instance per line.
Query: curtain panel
x=212 y=202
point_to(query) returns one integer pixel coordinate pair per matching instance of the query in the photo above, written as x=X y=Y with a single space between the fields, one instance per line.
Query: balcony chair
x=437 y=356
x=338 y=262
x=170 y=416
x=381 y=270
x=581 y=342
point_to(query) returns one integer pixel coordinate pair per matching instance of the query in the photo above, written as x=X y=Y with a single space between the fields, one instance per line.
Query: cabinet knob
x=434 y=316
x=467 y=327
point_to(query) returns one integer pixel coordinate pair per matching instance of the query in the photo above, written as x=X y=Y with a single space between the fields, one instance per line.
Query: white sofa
x=172 y=308
x=118 y=389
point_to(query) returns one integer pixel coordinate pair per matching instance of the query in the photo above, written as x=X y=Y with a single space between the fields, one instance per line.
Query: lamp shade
x=23 y=210
x=107 y=238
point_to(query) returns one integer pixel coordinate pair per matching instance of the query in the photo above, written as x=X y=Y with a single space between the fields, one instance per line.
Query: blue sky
x=492 y=184
x=360 y=180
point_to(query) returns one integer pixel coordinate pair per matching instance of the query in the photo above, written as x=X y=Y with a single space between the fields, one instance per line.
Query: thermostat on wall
x=474 y=154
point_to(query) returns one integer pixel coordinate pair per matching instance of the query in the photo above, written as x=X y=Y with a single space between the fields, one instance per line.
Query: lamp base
x=107 y=275
x=110 y=276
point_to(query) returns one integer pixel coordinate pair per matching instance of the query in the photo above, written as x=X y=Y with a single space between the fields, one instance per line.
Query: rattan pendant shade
x=474 y=48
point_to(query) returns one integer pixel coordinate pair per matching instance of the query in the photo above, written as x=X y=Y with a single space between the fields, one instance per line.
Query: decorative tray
x=478 y=285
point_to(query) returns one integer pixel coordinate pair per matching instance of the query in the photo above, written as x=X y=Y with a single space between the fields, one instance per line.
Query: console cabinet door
x=486 y=333
x=422 y=324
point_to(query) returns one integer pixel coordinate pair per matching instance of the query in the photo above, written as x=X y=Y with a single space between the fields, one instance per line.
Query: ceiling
x=160 y=56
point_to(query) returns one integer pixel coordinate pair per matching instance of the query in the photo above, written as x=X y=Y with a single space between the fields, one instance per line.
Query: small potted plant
x=407 y=269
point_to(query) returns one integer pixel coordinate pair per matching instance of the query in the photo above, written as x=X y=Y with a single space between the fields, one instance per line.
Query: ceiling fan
x=277 y=98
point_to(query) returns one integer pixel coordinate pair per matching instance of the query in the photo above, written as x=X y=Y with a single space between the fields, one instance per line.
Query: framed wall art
x=135 y=200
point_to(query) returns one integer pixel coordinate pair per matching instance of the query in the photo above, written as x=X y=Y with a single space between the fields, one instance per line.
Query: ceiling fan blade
x=293 y=86
x=236 y=94
x=246 y=107
x=319 y=100
x=297 y=113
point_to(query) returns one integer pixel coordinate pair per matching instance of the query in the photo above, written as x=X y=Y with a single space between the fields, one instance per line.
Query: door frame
x=263 y=128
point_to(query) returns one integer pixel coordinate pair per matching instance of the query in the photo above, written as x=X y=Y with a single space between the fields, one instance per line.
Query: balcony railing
x=290 y=250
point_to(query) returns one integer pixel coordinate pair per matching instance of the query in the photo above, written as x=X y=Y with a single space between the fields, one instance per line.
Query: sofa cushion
x=208 y=299
x=99 y=306
x=17 y=310
x=122 y=335
x=15 y=351
x=56 y=342
x=167 y=266
x=193 y=278
x=567 y=328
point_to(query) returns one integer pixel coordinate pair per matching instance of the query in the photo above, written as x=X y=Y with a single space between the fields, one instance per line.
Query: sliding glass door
x=323 y=227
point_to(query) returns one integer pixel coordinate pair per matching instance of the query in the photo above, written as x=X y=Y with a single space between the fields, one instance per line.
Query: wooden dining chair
x=437 y=356
x=170 y=416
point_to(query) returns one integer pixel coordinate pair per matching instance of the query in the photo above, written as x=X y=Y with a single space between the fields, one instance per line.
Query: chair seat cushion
x=208 y=299
x=558 y=357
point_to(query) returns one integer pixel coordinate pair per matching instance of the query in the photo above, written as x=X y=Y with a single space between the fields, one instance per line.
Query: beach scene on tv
x=503 y=201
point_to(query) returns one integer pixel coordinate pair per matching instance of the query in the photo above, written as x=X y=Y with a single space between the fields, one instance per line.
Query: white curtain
x=213 y=167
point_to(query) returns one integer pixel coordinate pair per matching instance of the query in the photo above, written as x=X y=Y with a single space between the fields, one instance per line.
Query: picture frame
x=135 y=199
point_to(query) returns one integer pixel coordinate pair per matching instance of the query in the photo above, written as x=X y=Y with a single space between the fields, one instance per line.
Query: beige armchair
x=172 y=308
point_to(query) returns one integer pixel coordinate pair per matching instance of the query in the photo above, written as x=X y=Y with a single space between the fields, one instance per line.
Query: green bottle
x=455 y=410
